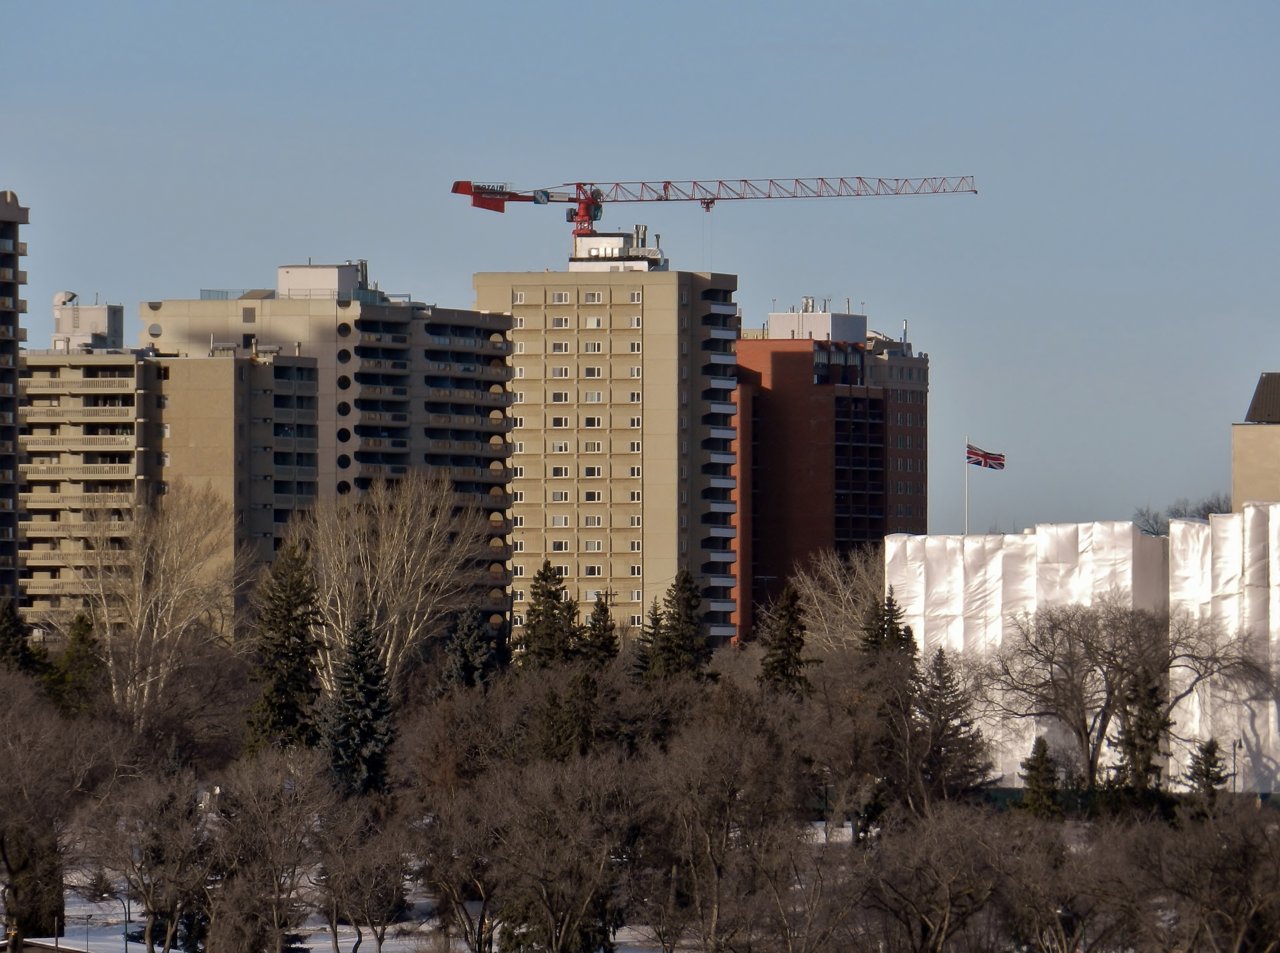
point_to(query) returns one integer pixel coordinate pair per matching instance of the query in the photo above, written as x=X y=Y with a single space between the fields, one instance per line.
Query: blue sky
x=1100 y=311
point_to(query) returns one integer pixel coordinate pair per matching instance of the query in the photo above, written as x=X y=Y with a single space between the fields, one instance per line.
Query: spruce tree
x=678 y=647
x=882 y=628
x=598 y=645
x=473 y=651
x=551 y=624
x=358 y=731
x=76 y=676
x=1041 y=790
x=954 y=758
x=650 y=633
x=17 y=654
x=783 y=665
x=1206 y=773
x=285 y=713
x=1143 y=724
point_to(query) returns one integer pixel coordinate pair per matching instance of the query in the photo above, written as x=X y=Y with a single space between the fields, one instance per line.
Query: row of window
x=637 y=595
x=589 y=473
x=593 y=372
x=561 y=520
x=635 y=571
x=588 y=446
x=565 y=546
x=588 y=297
x=588 y=347
x=909 y=465
x=592 y=322
x=909 y=489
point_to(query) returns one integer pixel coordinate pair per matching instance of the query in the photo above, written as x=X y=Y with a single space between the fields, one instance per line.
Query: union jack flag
x=983 y=458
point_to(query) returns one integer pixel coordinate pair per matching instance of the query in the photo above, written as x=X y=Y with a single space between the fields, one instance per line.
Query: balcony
x=79 y=442
x=92 y=471
x=55 y=414
x=75 y=385
x=76 y=501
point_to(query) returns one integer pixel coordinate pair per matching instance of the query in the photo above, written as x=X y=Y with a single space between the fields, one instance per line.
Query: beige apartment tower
x=624 y=426
x=12 y=249
x=103 y=431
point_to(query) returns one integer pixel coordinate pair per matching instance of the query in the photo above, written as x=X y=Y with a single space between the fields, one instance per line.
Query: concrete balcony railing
x=78 y=413
x=97 y=471
x=76 y=501
x=111 y=441
x=77 y=384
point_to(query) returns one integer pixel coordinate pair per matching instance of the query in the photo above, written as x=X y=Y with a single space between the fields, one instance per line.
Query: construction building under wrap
x=965 y=594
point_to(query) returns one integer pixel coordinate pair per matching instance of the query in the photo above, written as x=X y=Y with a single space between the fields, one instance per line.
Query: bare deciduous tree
x=1073 y=665
x=835 y=592
x=1155 y=522
x=159 y=589
x=403 y=557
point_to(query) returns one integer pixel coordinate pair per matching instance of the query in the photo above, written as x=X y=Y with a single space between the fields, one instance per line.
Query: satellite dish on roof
x=61 y=298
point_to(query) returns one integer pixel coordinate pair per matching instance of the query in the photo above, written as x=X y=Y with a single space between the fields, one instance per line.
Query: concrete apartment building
x=624 y=426
x=77 y=326
x=12 y=249
x=1255 y=447
x=834 y=422
x=400 y=385
x=104 y=430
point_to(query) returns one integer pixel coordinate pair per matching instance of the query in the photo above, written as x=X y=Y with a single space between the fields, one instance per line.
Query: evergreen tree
x=1143 y=724
x=567 y=725
x=1041 y=791
x=473 y=651
x=285 y=713
x=17 y=654
x=783 y=665
x=678 y=647
x=76 y=676
x=954 y=758
x=551 y=624
x=1206 y=773
x=650 y=633
x=358 y=731
x=882 y=628
x=598 y=644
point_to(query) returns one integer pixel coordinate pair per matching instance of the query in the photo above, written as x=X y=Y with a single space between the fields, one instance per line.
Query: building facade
x=838 y=422
x=12 y=250
x=104 y=432
x=623 y=390
x=1255 y=447
x=400 y=385
x=78 y=326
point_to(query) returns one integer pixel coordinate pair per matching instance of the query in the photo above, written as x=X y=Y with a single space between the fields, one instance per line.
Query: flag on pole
x=983 y=458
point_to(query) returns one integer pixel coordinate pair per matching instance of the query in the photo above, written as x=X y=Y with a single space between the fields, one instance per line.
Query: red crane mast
x=589 y=197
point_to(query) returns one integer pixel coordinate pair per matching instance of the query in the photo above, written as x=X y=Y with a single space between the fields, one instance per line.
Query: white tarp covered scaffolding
x=965 y=593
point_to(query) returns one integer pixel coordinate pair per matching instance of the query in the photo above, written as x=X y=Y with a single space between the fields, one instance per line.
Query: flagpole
x=966 y=484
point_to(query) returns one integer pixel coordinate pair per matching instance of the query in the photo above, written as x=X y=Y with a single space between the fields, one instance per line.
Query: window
x=635 y=545
x=517 y=297
x=517 y=322
x=635 y=423
x=637 y=595
x=592 y=446
x=593 y=522
x=633 y=446
x=559 y=297
x=593 y=546
x=634 y=472
x=560 y=322
x=591 y=571
x=517 y=546
x=636 y=571
x=517 y=571
x=520 y=371
x=635 y=496
x=637 y=620
x=559 y=421
x=634 y=347
x=559 y=545
x=592 y=347
x=559 y=372
x=559 y=397
x=594 y=323
x=517 y=397
x=634 y=397
x=559 y=496
x=519 y=347
x=559 y=347
x=591 y=372
x=559 y=522
x=559 y=472
x=561 y=571
x=517 y=595
x=517 y=471
x=592 y=496
x=635 y=321
x=593 y=471
x=633 y=372
x=636 y=297
x=634 y=522
x=517 y=421
x=591 y=422
x=559 y=446
x=517 y=496
x=593 y=297
x=592 y=397
x=517 y=521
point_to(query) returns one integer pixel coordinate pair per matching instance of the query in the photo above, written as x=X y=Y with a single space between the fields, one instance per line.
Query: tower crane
x=588 y=198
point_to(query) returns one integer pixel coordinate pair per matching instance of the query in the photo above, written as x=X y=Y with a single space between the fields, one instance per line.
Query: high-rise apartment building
x=835 y=421
x=77 y=326
x=105 y=430
x=400 y=385
x=624 y=426
x=12 y=249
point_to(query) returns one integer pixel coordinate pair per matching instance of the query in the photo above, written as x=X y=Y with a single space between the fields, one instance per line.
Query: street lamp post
x=1236 y=745
x=124 y=904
